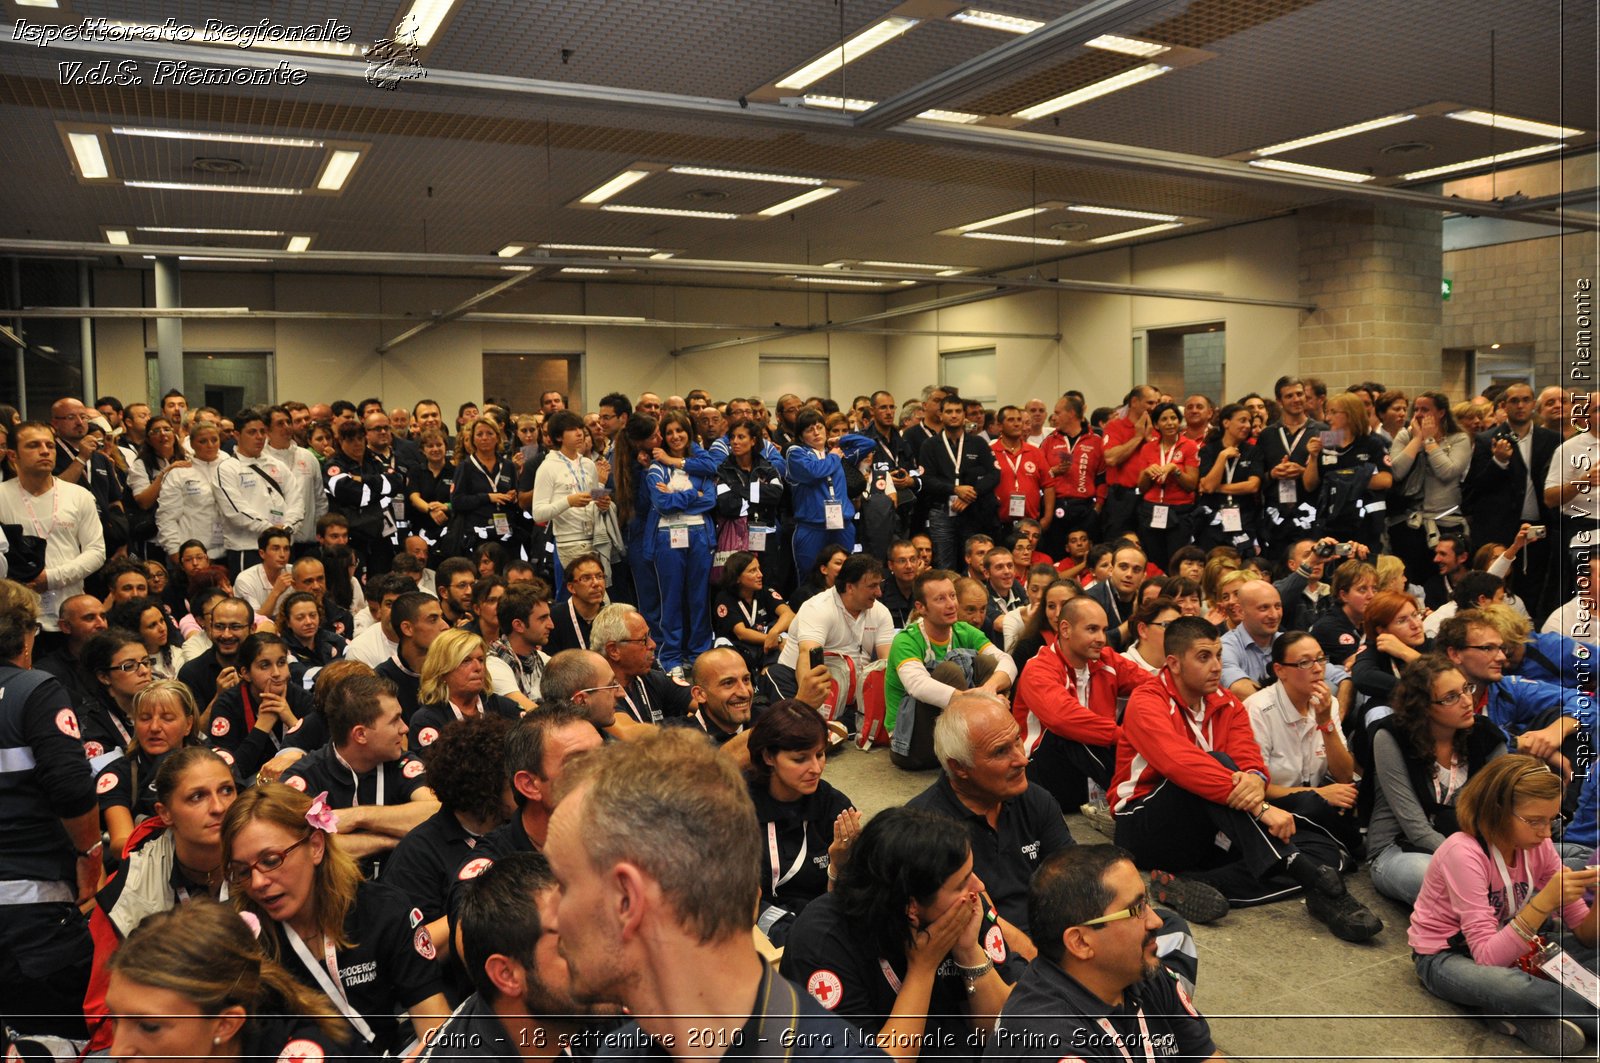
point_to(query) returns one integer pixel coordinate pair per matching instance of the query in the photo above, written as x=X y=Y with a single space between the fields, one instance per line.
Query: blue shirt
x=1517 y=704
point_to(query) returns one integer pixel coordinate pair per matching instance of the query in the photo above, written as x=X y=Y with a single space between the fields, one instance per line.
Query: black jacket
x=1491 y=497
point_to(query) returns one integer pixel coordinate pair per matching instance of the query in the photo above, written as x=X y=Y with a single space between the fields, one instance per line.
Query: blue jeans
x=1398 y=875
x=1507 y=991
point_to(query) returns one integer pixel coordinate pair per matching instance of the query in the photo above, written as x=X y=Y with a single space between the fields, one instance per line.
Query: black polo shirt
x=1005 y=856
x=788 y=830
x=1050 y=1016
x=696 y=721
x=321 y=771
x=508 y=838
x=406 y=683
x=233 y=728
x=116 y=782
x=571 y=630
x=653 y=698
x=200 y=676
x=427 y=860
x=431 y=720
x=899 y=605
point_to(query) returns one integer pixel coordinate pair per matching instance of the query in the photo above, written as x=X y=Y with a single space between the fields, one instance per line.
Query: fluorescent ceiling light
x=298 y=244
x=837 y=103
x=1334 y=134
x=1111 y=42
x=518 y=269
x=37 y=3
x=186 y=186
x=671 y=212
x=207 y=232
x=1117 y=212
x=511 y=250
x=424 y=20
x=210 y=258
x=1146 y=231
x=1000 y=219
x=340 y=163
x=600 y=247
x=1516 y=125
x=1284 y=166
x=154 y=31
x=744 y=175
x=1487 y=160
x=623 y=180
x=1103 y=87
x=993 y=20
x=662 y=256
x=117 y=236
x=225 y=138
x=91 y=160
x=1047 y=241
x=797 y=202
x=942 y=270
x=583 y=269
x=962 y=117
x=846 y=281
x=854 y=48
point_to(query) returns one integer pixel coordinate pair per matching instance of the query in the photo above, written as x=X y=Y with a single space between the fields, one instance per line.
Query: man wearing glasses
x=79 y=461
x=1247 y=649
x=1543 y=720
x=1097 y=990
x=213 y=672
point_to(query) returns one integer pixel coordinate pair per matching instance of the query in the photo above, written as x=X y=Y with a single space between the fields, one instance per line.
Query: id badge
x=833 y=515
x=276 y=515
x=758 y=540
x=1286 y=492
x=1017 y=507
x=1562 y=968
x=950 y=505
x=1158 y=517
x=502 y=525
x=755 y=492
x=1330 y=459
x=678 y=538
x=1232 y=519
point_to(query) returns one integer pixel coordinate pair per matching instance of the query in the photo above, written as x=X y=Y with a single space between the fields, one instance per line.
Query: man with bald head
x=79 y=461
x=1247 y=649
x=1556 y=412
x=723 y=694
x=81 y=617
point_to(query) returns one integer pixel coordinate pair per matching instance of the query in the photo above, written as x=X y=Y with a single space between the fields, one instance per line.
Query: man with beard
x=214 y=671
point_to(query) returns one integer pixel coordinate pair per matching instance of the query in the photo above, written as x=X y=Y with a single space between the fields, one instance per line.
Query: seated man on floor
x=1189 y=796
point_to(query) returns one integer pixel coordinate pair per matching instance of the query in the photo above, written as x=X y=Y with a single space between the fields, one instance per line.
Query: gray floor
x=1274 y=983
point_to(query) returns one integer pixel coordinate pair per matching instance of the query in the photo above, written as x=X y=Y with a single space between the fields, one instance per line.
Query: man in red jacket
x=1190 y=796
x=1067 y=700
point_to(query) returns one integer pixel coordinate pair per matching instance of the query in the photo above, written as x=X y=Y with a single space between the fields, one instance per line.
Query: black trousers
x=1120 y=513
x=1072 y=514
x=1181 y=832
x=46 y=954
x=1064 y=768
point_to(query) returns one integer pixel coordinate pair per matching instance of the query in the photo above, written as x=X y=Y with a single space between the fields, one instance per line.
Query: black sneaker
x=1348 y=918
x=1315 y=877
x=1195 y=901
x=1548 y=1037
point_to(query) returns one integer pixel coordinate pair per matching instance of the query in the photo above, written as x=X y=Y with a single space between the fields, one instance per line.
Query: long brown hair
x=1413 y=698
x=639 y=430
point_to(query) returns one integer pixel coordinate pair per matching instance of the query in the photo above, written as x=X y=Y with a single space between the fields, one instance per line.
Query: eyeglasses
x=591 y=577
x=1307 y=664
x=238 y=872
x=1493 y=649
x=641 y=642
x=1456 y=695
x=1540 y=824
x=1132 y=911
x=596 y=690
x=147 y=663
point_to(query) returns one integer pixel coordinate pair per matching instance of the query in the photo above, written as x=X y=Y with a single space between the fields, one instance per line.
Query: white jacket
x=249 y=502
x=307 y=472
x=187 y=507
x=75 y=547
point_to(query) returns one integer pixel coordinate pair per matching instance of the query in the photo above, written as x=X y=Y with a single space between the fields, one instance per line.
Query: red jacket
x=1047 y=697
x=1118 y=432
x=1159 y=743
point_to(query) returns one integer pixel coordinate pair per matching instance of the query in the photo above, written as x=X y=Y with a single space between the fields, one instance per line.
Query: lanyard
x=1451 y=783
x=956 y=454
x=477 y=708
x=1162 y=457
x=644 y=697
x=1288 y=447
x=577 y=629
x=55 y=508
x=772 y=850
x=332 y=986
x=751 y=614
x=1202 y=737
x=355 y=798
x=1014 y=466
x=577 y=473
x=493 y=478
x=1116 y=1038
x=1505 y=877
x=889 y=975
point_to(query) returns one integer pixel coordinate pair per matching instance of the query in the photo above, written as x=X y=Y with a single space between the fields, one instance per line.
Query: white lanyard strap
x=493 y=478
x=751 y=614
x=1288 y=445
x=644 y=696
x=355 y=798
x=577 y=629
x=55 y=508
x=772 y=850
x=956 y=454
x=1202 y=736
x=1505 y=878
x=328 y=978
x=577 y=473
x=889 y=975
x=1014 y=466
x=1116 y=1038
x=1162 y=457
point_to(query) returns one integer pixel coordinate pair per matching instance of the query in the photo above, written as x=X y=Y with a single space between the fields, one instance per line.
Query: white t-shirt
x=371 y=647
x=1571 y=461
x=75 y=546
x=1574 y=619
x=823 y=621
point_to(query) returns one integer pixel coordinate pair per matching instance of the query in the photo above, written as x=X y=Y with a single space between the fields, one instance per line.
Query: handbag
x=25 y=556
x=732 y=536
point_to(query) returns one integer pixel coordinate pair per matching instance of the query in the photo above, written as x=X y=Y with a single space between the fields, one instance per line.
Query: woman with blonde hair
x=455 y=686
x=483 y=497
x=1353 y=478
x=331 y=929
x=165 y=719
x=1224 y=611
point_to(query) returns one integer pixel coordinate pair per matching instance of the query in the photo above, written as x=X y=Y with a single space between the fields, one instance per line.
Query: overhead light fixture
x=209 y=258
x=1516 y=125
x=744 y=175
x=518 y=269
x=600 y=247
x=224 y=138
x=1131 y=233
x=943 y=271
x=583 y=269
x=671 y=212
x=207 y=232
x=1103 y=87
x=1285 y=166
x=424 y=20
x=1000 y=219
x=117 y=236
x=1487 y=160
x=623 y=180
x=661 y=256
x=187 y=186
x=90 y=157
x=1333 y=134
x=937 y=114
x=1047 y=241
x=797 y=202
x=337 y=172
x=993 y=20
x=837 y=103
x=511 y=250
x=1118 y=212
x=879 y=33
x=37 y=3
x=842 y=281
x=297 y=244
x=1111 y=42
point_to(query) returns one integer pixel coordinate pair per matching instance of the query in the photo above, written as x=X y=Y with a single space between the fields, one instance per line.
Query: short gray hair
x=952 y=735
x=610 y=627
x=569 y=672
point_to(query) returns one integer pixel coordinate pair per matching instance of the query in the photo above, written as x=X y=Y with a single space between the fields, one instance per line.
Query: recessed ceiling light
x=961 y=117
x=91 y=159
x=1487 y=160
x=744 y=175
x=518 y=269
x=837 y=103
x=994 y=20
x=941 y=270
x=599 y=247
x=1103 y=87
x=1334 y=134
x=185 y=186
x=511 y=250
x=1117 y=212
x=797 y=202
x=1516 y=125
x=424 y=20
x=226 y=138
x=623 y=180
x=1000 y=219
x=117 y=236
x=583 y=269
x=340 y=162
x=1111 y=42
x=671 y=212
x=297 y=244
x=1008 y=238
x=843 y=281
x=854 y=48
x=207 y=232
x=1285 y=166
x=1146 y=231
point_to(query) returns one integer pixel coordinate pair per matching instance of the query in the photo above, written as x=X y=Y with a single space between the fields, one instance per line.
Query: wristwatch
x=1265 y=805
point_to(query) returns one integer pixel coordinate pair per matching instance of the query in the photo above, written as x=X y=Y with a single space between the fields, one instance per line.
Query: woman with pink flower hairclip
x=359 y=942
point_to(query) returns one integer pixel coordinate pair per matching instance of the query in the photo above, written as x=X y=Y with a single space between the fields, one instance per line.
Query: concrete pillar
x=86 y=337
x=1373 y=273
x=169 y=330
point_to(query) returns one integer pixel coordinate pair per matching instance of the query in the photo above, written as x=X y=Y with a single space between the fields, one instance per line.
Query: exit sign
x=1445 y=287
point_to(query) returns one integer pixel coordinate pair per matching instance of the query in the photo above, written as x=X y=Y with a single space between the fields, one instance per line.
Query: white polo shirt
x=824 y=621
x=1290 y=743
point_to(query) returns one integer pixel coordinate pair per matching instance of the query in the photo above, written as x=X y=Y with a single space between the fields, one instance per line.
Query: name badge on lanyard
x=833 y=515
x=1017 y=507
x=678 y=537
x=1158 y=517
x=758 y=539
x=1286 y=492
x=1232 y=519
x=502 y=525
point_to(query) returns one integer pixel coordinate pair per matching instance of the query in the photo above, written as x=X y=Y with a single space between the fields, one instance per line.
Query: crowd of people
x=332 y=730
